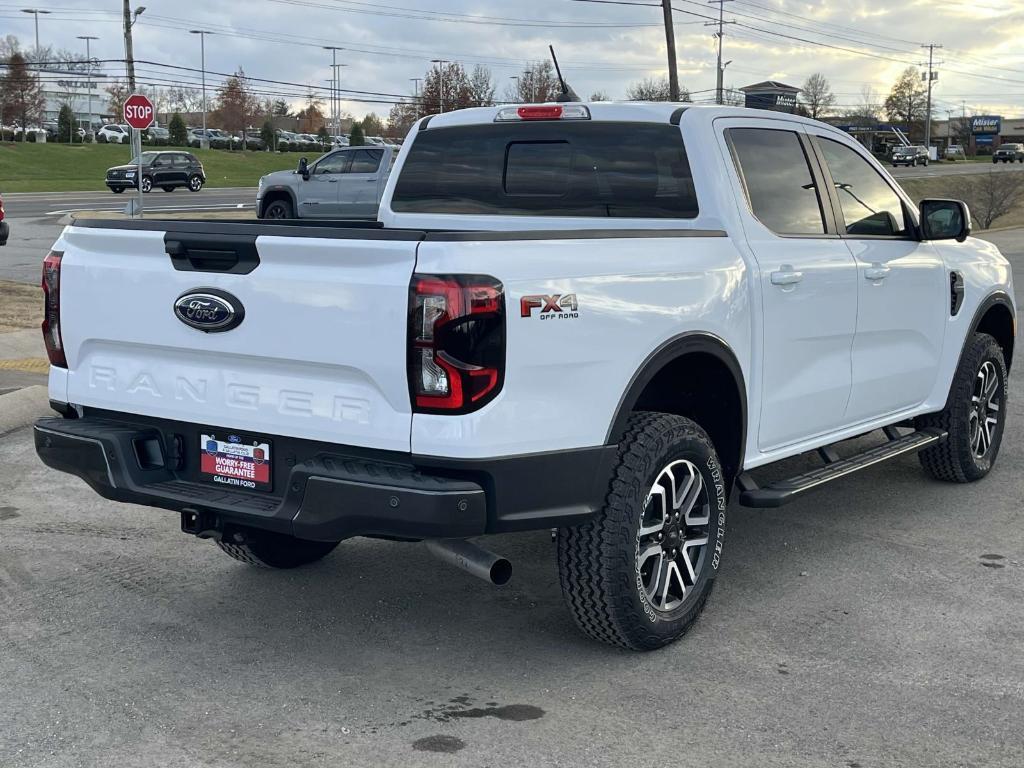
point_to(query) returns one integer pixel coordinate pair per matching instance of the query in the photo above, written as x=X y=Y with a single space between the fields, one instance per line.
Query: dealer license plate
x=234 y=460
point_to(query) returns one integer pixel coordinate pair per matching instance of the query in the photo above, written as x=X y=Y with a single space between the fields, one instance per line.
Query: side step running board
x=784 y=491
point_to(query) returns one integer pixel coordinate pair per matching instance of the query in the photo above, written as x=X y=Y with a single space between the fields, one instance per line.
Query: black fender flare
x=678 y=346
x=274 y=190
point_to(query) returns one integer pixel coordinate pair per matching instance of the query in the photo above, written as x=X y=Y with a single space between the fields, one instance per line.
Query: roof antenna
x=567 y=94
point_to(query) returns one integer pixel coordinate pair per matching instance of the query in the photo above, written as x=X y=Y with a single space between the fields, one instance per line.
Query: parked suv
x=167 y=170
x=1007 y=153
x=113 y=134
x=909 y=156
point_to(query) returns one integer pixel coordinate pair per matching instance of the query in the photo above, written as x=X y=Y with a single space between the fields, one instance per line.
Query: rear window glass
x=549 y=168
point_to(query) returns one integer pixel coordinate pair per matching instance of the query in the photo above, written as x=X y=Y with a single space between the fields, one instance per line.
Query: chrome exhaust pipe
x=473 y=559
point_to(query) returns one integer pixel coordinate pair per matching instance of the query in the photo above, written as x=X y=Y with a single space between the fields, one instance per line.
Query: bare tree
x=183 y=99
x=906 y=101
x=816 y=96
x=653 y=89
x=536 y=84
x=989 y=195
x=481 y=86
x=20 y=93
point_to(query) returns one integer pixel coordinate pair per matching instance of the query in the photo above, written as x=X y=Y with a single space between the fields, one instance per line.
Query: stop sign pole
x=138 y=113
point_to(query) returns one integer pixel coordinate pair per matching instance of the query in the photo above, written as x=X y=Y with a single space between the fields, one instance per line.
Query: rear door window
x=549 y=168
x=778 y=181
x=365 y=160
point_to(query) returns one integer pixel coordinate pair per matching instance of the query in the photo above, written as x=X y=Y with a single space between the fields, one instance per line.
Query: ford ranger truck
x=603 y=319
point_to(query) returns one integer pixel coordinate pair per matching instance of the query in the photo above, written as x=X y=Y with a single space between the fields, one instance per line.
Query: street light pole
x=440 y=81
x=35 y=12
x=205 y=141
x=416 y=94
x=88 y=62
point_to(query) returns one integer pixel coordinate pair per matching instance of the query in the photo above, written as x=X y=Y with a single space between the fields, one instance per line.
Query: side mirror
x=303 y=169
x=945 y=220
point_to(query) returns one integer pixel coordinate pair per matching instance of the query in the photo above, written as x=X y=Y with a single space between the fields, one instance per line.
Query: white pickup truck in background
x=599 y=318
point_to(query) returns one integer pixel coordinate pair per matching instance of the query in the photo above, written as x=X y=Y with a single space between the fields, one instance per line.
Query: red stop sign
x=138 y=111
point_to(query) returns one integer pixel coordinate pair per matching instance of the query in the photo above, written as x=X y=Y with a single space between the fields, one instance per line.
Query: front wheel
x=195 y=183
x=266 y=549
x=117 y=190
x=147 y=184
x=638 y=574
x=279 y=209
x=974 y=416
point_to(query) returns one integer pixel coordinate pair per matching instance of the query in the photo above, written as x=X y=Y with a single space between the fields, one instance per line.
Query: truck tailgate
x=320 y=353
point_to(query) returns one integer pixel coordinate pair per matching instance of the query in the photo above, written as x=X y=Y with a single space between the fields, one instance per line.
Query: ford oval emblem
x=209 y=310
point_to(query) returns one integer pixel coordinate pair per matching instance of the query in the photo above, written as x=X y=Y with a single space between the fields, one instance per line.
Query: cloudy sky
x=602 y=45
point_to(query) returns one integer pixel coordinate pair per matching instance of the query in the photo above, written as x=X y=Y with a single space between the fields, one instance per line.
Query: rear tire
x=637 y=575
x=974 y=417
x=195 y=183
x=266 y=549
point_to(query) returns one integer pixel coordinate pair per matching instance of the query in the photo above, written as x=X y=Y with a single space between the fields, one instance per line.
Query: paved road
x=876 y=624
x=952 y=169
x=57 y=204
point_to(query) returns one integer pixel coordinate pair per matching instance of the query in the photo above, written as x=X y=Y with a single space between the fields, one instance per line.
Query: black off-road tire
x=598 y=561
x=279 y=209
x=954 y=460
x=266 y=549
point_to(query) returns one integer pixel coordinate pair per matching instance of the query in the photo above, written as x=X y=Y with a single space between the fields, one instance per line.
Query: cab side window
x=336 y=163
x=870 y=206
x=777 y=178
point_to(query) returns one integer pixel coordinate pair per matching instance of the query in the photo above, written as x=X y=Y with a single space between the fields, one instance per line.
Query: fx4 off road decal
x=555 y=307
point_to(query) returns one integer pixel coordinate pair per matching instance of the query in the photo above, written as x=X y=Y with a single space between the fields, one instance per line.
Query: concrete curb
x=22 y=407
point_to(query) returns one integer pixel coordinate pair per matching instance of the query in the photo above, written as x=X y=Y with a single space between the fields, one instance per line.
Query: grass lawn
x=946 y=186
x=21 y=306
x=82 y=167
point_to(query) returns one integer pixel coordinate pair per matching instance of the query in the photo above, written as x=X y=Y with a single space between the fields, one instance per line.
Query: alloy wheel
x=673 y=536
x=985 y=407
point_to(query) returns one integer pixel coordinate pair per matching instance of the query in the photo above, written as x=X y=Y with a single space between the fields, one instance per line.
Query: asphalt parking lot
x=877 y=623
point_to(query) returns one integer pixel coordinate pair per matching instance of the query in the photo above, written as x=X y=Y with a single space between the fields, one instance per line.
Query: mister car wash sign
x=986 y=124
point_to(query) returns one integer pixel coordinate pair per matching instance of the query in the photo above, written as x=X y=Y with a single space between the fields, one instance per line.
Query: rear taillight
x=51 y=310
x=2 y=214
x=456 y=342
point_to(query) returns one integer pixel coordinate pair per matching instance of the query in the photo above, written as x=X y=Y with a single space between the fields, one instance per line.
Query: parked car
x=157 y=134
x=5 y=229
x=1007 y=153
x=167 y=170
x=909 y=156
x=340 y=141
x=346 y=183
x=596 y=318
x=955 y=152
x=114 y=134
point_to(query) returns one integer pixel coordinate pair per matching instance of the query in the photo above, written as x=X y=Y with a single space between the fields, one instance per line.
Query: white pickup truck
x=595 y=318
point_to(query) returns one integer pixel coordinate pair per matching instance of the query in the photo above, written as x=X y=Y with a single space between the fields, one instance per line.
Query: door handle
x=786 y=276
x=876 y=272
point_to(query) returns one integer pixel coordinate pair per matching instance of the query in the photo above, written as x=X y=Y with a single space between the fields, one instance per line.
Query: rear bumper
x=329 y=492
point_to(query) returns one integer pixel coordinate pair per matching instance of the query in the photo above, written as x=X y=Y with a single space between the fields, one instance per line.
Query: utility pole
x=88 y=62
x=416 y=94
x=931 y=76
x=720 y=70
x=334 y=87
x=670 y=44
x=129 y=22
x=440 y=81
x=337 y=84
x=205 y=141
